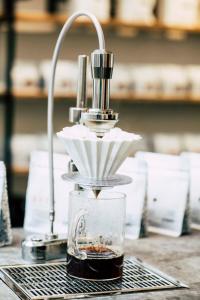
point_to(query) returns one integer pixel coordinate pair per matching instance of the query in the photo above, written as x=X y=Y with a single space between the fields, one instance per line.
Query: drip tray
x=50 y=281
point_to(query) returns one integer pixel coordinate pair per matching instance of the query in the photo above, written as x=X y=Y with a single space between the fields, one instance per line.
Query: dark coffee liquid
x=101 y=263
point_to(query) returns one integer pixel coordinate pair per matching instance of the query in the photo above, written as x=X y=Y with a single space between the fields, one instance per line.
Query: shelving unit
x=9 y=97
x=38 y=95
x=20 y=171
x=110 y=24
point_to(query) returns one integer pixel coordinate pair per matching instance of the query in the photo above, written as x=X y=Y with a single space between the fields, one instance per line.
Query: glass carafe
x=96 y=235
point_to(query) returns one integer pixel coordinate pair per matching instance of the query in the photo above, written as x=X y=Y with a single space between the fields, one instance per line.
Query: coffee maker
x=94 y=248
x=96 y=217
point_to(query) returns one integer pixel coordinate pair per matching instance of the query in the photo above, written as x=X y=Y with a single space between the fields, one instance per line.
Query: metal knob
x=102 y=68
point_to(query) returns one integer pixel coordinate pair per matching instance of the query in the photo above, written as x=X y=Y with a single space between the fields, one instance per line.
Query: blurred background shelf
x=59 y=19
x=20 y=171
x=29 y=37
x=158 y=99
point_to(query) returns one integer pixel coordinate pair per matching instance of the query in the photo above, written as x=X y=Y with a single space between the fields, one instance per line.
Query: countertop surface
x=178 y=257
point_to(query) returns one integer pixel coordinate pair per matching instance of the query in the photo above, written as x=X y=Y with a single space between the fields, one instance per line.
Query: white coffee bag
x=5 y=226
x=37 y=195
x=167 y=193
x=193 y=160
x=136 y=221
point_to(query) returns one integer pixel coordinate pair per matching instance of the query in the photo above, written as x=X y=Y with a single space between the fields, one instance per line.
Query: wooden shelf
x=56 y=19
x=59 y=19
x=37 y=95
x=20 y=171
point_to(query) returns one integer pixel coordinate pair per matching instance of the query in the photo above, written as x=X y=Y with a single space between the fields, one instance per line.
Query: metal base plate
x=40 y=248
x=91 y=183
x=50 y=281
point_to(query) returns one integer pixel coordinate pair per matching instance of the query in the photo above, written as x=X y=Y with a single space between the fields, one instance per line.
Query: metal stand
x=8 y=98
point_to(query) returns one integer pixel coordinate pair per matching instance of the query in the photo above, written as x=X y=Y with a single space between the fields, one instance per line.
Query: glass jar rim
x=103 y=196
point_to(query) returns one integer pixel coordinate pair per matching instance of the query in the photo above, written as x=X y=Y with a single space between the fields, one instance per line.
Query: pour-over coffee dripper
x=89 y=238
x=97 y=159
x=92 y=247
x=96 y=220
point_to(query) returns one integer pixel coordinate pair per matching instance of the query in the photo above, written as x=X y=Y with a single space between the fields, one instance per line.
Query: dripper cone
x=94 y=157
x=96 y=193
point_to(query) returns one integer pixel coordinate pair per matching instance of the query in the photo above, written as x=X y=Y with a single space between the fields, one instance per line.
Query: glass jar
x=96 y=235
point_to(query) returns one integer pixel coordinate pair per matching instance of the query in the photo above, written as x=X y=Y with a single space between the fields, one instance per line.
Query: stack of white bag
x=30 y=142
x=174 y=80
x=121 y=81
x=66 y=76
x=100 y=8
x=136 y=11
x=193 y=73
x=136 y=201
x=175 y=143
x=160 y=189
x=145 y=80
x=5 y=226
x=37 y=195
x=31 y=6
x=179 y=12
x=167 y=193
x=193 y=160
x=25 y=75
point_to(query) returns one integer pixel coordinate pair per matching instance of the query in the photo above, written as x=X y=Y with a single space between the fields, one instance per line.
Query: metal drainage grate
x=50 y=281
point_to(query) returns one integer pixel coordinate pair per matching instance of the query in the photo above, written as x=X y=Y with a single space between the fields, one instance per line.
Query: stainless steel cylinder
x=82 y=84
x=100 y=118
x=101 y=68
x=81 y=101
x=102 y=62
x=101 y=94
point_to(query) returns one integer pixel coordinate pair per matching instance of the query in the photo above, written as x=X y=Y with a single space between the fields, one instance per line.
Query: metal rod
x=102 y=67
x=101 y=94
x=81 y=101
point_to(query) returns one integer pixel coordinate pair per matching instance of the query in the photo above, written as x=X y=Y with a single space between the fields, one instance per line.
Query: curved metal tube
x=64 y=30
